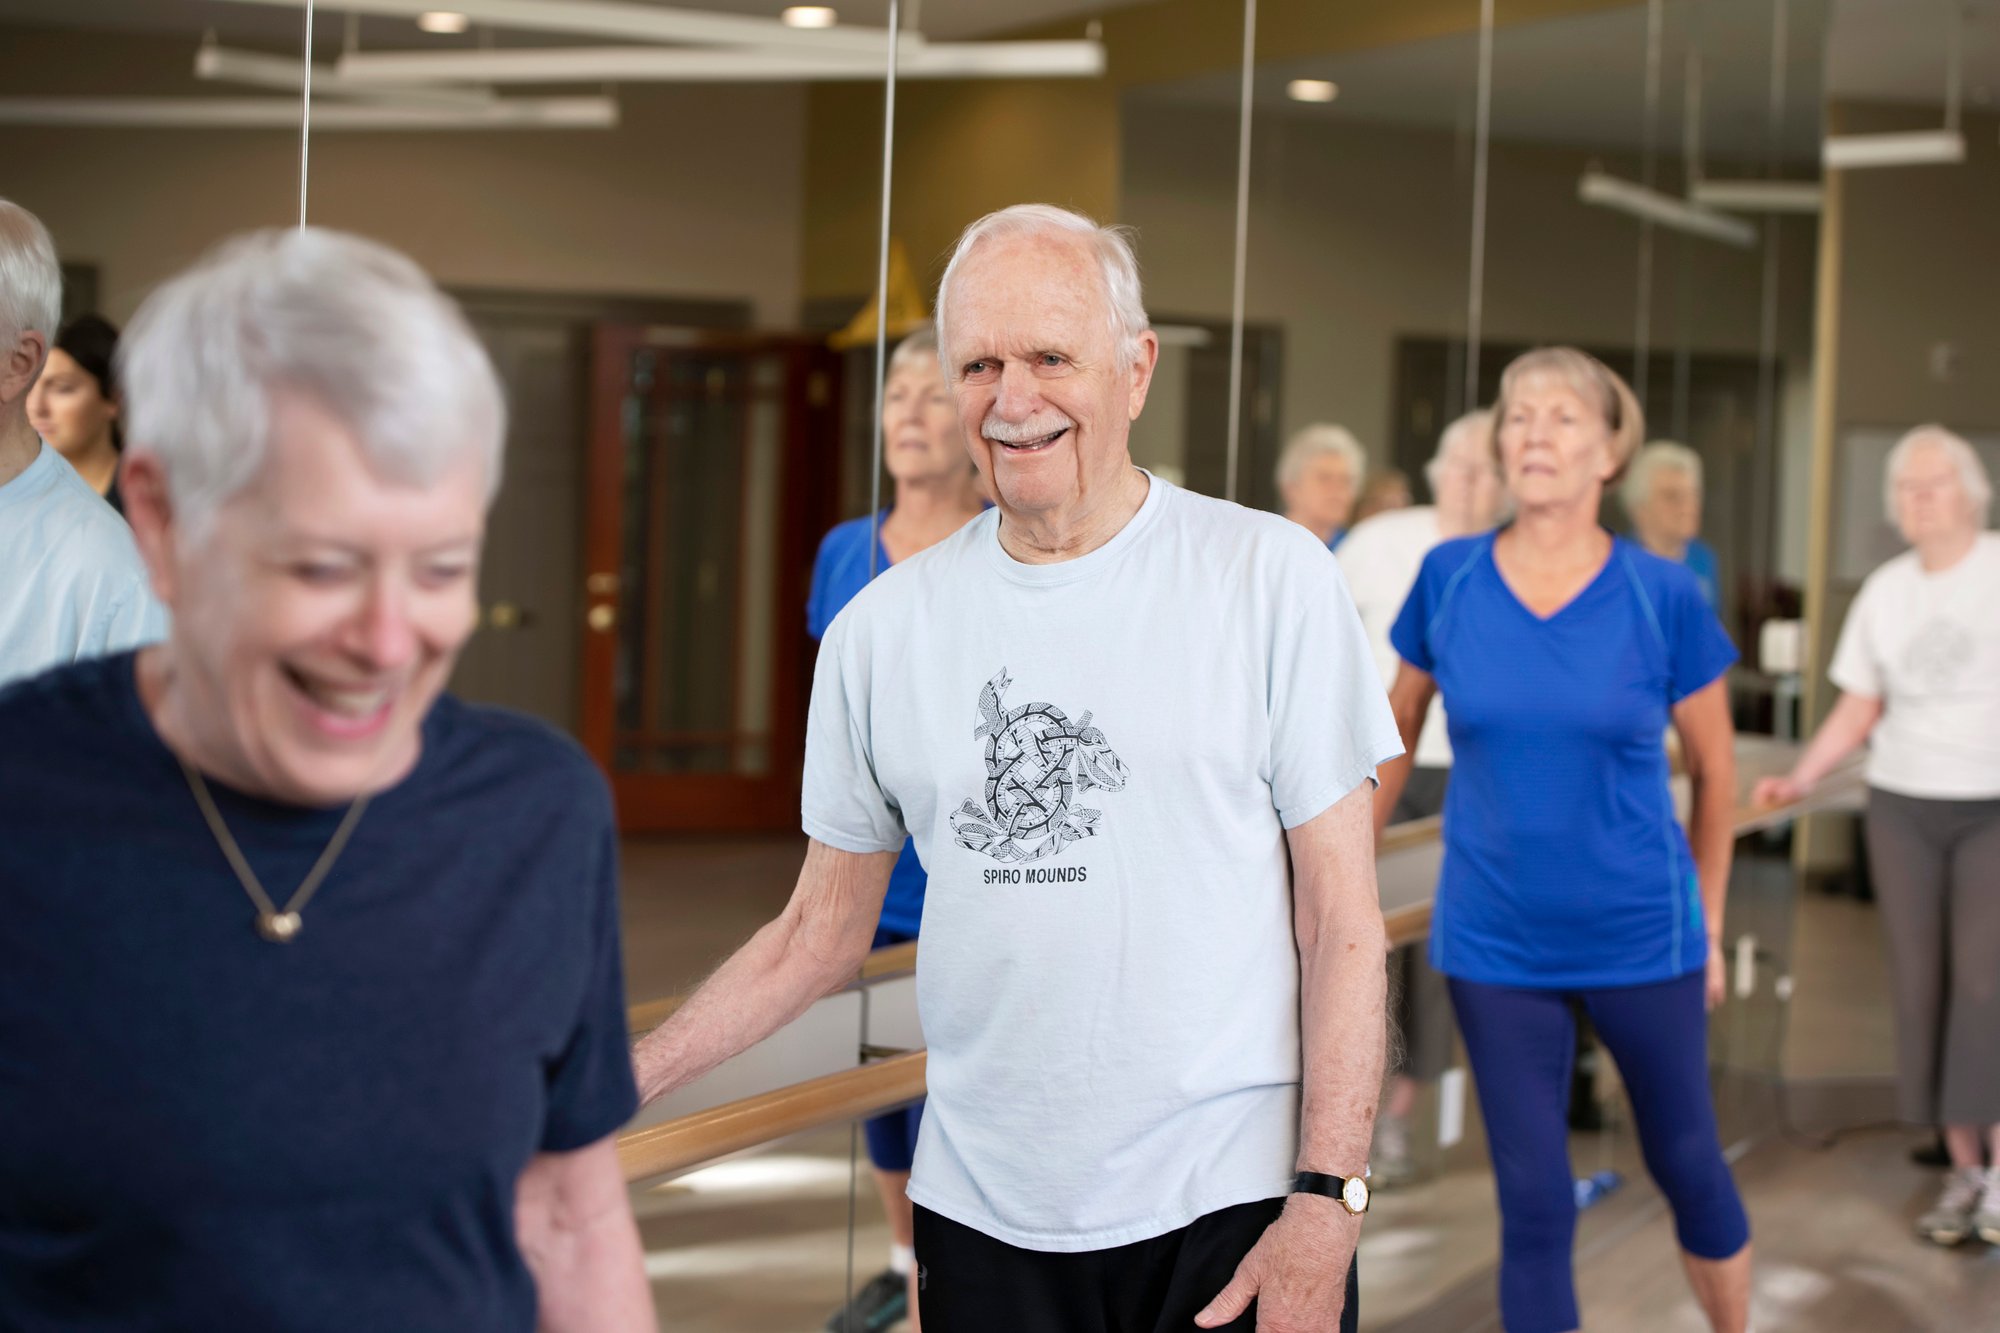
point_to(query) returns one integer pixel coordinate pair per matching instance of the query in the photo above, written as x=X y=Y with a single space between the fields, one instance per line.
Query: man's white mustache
x=1022 y=432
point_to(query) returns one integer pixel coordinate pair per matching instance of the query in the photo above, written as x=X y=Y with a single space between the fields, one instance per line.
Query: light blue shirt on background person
x=72 y=585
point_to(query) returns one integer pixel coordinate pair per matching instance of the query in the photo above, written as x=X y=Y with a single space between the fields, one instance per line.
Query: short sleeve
x=843 y=804
x=1698 y=648
x=1855 y=667
x=590 y=1090
x=1330 y=723
x=1410 y=636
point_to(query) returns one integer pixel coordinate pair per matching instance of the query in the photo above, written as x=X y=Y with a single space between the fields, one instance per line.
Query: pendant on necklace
x=278 y=927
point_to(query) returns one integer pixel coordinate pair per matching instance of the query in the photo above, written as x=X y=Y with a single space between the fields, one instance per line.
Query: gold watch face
x=1355 y=1194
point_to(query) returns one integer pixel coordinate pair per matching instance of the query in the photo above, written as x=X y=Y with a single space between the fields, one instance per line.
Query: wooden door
x=710 y=482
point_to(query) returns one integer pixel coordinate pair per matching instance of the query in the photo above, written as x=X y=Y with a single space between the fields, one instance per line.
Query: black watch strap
x=1318 y=1182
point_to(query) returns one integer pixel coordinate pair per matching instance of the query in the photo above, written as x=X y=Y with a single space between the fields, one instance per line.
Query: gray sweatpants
x=1936 y=865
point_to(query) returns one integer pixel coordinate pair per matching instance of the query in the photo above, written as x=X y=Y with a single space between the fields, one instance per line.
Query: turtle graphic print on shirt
x=1038 y=763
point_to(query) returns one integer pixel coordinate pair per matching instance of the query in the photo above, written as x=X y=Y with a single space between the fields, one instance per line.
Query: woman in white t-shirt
x=1918 y=666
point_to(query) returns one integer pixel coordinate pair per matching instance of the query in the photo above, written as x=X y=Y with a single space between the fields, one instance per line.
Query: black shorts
x=969 y=1282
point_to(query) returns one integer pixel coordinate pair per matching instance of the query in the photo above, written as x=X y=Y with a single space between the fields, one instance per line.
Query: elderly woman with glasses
x=313 y=1017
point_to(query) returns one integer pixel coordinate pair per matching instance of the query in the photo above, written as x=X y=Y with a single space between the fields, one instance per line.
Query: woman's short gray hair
x=1669 y=454
x=1476 y=426
x=30 y=277
x=1322 y=438
x=349 y=322
x=918 y=349
x=1971 y=470
x=1125 y=305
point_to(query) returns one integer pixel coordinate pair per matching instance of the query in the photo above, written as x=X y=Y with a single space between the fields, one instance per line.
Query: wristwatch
x=1350 y=1192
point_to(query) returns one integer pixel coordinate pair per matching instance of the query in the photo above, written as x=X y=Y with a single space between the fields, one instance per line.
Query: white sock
x=902 y=1259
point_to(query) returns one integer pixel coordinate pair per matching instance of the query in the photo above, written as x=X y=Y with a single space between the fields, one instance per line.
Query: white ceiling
x=943 y=19
x=1575 y=81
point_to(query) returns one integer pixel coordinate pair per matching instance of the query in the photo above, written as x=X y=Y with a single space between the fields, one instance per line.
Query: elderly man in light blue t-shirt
x=71 y=584
x=1133 y=732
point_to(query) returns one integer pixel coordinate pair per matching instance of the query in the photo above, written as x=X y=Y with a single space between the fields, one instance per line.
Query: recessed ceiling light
x=443 y=21
x=1312 y=90
x=809 y=16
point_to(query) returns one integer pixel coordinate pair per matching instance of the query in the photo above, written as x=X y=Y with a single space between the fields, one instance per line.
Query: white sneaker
x=1950 y=1219
x=1986 y=1218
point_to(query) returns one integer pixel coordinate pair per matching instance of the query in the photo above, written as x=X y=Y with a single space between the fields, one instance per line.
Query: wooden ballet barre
x=834 y=1099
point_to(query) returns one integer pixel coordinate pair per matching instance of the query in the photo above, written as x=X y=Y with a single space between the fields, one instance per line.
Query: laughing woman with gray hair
x=1918 y=666
x=330 y=1034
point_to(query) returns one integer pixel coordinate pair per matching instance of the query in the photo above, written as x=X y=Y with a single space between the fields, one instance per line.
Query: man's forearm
x=812 y=948
x=1343 y=1028
x=1344 y=1038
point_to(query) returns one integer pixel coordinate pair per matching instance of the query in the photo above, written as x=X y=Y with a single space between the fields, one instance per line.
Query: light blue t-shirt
x=72 y=585
x=1564 y=864
x=839 y=572
x=1099 y=760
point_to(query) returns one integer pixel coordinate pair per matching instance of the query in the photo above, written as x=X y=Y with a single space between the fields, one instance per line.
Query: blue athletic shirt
x=1701 y=562
x=1564 y=865
x=841 y=571
x=202 y=1130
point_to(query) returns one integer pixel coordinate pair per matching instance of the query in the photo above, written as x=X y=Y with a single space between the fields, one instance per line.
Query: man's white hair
x=1476 y=426
x=1669 y=455
x=351 y=323
x=30 y=277
x=1322 y=438
x=1971 y=469
x=1124 y=300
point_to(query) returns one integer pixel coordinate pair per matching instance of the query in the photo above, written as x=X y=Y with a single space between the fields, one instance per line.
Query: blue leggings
x=1522 y=1043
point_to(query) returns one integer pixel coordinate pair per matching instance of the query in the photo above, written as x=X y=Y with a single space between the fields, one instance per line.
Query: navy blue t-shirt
x=1564 y=864
x=200 y=1129
x=839 y=573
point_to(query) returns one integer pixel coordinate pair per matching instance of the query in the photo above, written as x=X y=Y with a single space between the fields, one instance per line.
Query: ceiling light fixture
x=444 y=22
x=1845 y=152
x=1312 y=90
x=809 y=16
x=668 y=64
x=1624 y=196
x=1754 y=196
x=282 y=113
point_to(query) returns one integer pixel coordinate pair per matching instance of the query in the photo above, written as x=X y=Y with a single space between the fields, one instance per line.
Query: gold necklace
x=274 y=925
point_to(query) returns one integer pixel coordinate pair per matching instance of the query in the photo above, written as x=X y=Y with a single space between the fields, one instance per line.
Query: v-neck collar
x=1591 y=586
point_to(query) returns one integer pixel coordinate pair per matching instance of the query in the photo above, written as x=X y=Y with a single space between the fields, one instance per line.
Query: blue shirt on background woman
x=1563 y=654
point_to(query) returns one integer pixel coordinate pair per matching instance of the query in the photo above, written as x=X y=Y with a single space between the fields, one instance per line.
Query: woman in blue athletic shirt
x=1563 y=654
x=937 y=493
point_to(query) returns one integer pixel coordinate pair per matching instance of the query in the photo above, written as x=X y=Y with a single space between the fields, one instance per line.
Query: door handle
x=602 y=619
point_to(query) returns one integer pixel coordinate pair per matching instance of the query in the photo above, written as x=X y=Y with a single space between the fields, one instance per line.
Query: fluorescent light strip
x=1595 y=187
x=221 y=64
x=1846 y=152
x=632 y=23
x=1758 y=196
x=639 y=64
x=282 y=113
